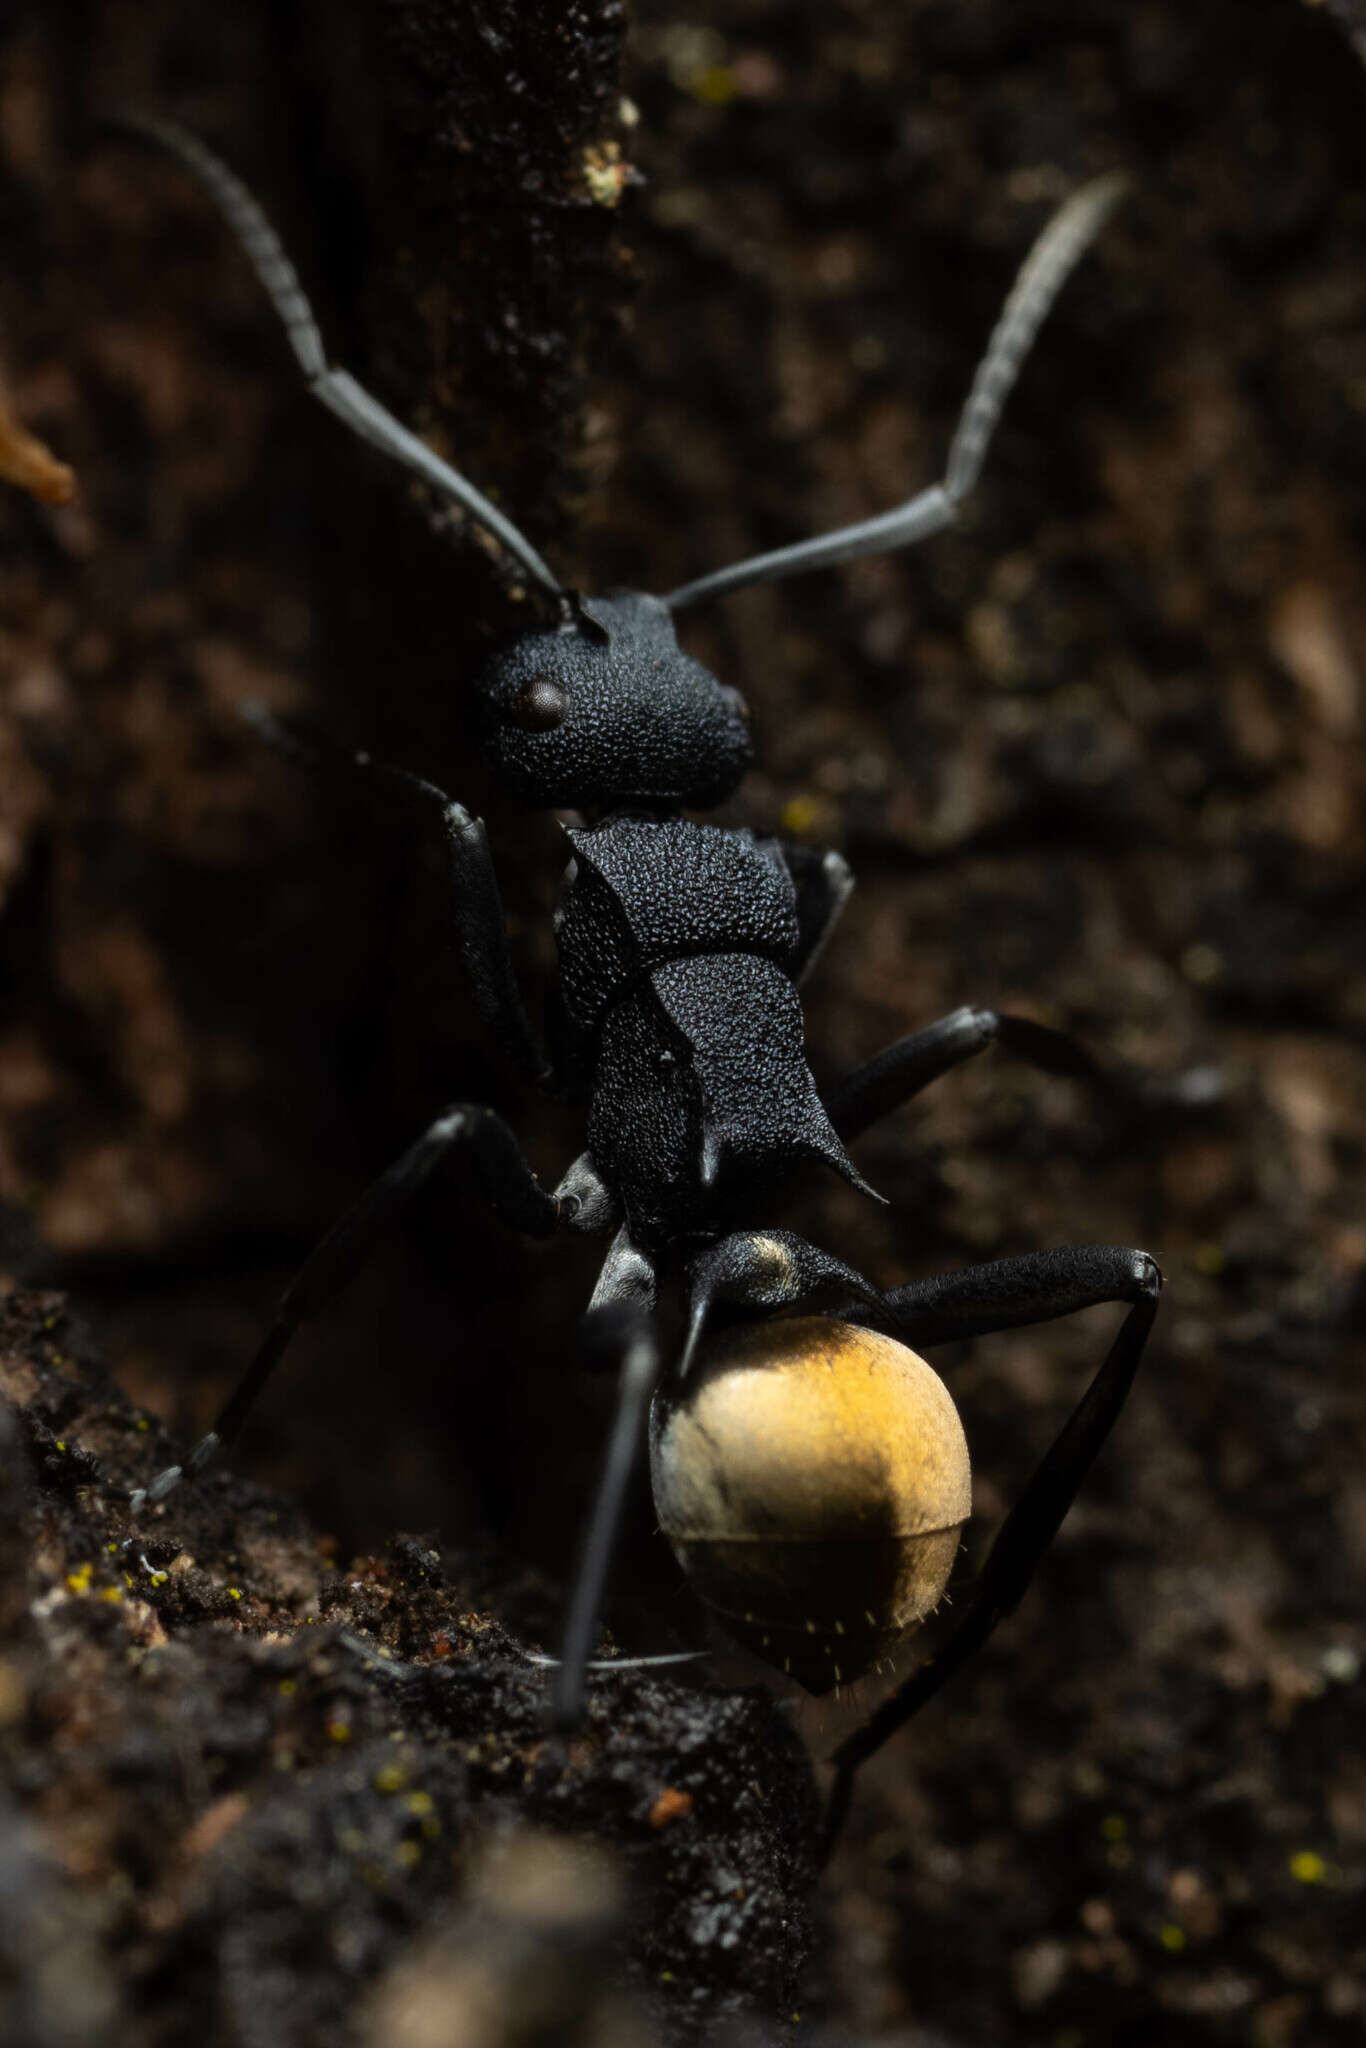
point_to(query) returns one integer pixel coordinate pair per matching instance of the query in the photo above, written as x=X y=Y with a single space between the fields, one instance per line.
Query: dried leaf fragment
x=28 y=462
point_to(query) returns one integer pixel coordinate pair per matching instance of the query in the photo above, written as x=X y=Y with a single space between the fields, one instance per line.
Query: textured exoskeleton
x=678 y=1024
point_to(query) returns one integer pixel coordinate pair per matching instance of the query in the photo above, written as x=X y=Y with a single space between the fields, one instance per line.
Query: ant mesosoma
x=808 y=1467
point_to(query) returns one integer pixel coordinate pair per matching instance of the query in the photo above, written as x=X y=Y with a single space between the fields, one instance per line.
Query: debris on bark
x=269 y=1799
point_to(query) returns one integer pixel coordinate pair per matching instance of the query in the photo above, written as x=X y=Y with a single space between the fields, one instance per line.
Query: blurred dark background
x=676 y=289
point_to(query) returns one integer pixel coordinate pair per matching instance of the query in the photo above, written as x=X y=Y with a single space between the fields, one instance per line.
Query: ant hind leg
x=1010 y=1294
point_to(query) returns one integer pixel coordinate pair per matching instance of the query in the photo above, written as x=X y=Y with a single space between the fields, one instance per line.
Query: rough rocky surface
x=253 y=1783
x=1096 y=756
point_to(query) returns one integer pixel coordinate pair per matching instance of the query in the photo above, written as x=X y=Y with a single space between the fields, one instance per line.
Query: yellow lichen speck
x=604 y=173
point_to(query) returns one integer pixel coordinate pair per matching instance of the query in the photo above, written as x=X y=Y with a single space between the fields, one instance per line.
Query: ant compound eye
x=539 y=705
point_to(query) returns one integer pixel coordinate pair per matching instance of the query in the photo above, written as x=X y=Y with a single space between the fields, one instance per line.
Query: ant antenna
x=336 y=389
x=1042 y=276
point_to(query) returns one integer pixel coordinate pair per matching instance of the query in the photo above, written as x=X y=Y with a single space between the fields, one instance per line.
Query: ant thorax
x=677 y=945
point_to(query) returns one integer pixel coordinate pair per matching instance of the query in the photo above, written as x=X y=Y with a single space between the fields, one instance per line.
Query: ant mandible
x=808 y=1467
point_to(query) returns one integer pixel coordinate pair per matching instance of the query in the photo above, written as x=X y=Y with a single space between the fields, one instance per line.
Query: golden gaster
x=813 y=1479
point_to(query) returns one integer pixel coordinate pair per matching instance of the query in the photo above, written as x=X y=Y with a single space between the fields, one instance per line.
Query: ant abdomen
x=812 y=1478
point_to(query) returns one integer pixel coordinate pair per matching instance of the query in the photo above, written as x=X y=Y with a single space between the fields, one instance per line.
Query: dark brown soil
x=1096 y=756
x=268 y=1782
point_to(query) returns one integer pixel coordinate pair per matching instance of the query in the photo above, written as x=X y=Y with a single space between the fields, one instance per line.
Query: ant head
x=609 y=710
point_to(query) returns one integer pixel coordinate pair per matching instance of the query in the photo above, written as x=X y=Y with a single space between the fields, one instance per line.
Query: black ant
x=809 y=1469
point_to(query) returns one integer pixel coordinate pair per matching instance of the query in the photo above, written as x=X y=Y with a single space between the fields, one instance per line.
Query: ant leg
x=1009 y=1294
x=892 y=1077
x=508 y=1185
x=623 y=1331
x=476 y=904
x=824 y=882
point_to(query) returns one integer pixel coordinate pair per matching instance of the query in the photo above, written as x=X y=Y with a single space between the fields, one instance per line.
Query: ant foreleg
x=476 y=904
x=1010 y=1294
x=893 y=1076
x=823 y=882
x=508 y=1185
